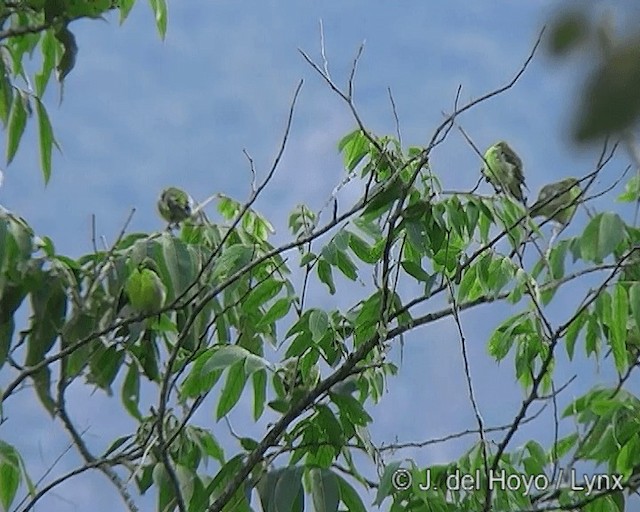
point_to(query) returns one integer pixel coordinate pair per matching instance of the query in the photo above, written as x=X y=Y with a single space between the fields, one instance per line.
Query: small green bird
x=175 y=205
x=144 y=288
x=295 y=380
x=503 y=169
x=558 y=201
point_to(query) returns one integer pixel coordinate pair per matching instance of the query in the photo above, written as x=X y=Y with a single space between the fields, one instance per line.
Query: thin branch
x=395 y=116
x=325 y=62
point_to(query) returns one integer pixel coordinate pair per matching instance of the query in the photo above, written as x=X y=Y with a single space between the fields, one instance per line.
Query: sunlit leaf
x=17 y=123
x=601 y=236
x=45 y=139
x=318 y=324
x=354 y=147
x=159 y=8
x=10 y=475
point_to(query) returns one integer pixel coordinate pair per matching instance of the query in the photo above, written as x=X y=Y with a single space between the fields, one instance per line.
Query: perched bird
x=144 y=288
x=557 y=201
x=175 y=205
x=503 y=169
x=296 y=381
x=143 y=293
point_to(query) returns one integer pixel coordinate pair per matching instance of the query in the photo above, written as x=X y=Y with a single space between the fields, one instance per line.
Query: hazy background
x=140 y=114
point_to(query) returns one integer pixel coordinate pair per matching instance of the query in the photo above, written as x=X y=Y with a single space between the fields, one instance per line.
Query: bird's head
x=148 y=263
x=172 y=194
x=501 y=146
x=570 y=182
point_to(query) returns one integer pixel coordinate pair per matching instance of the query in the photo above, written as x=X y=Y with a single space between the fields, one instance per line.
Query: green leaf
x=341 y=240
x=289 y=494
x=159 y=8
x=208 y=444
x=325 y=275
x=537 y=460
x=634 y=300
x=325 y=491
x=232 y=390
x=254 y=363
x=281 y=490
x=125 y=7
x=326 y=419
x=10 y=475
x=569 y=30
x=17 y=123
x=611 y=102
x=415 y=270
x=11 y=295
x=618 y=327
x=224 y=357
x=228 y=207
x=46 y=140
x=148 y=356
x=387 y=481
x=368 y=227
x=592 y=337
x=49 y=306
x=501 y=271
x=164 y=485
x=248 y=443
x=69 y=54
x=563 y=446
x=573 y=330
x=259 y=393
x=362 y=249
x=504 y=336
x=49 y=47
x=472 y=214
x=180 y=263
x=224 y=475
x=6 y=89
x=200 y=381
x=231 y=260
x=469 y=288
x=6 y=333
x=278 y=310
x=86 y=8
x=346 y=266
x=261 y=294
x=116 y=444
x=631 y=190
x=601 y=236
x=186 y=480
x=131 y=392
x=318 y=324
x=105 y=364
x=354 y=147
x=351 y=409
x=350 y=497
x=557 y=258
x=382 y=197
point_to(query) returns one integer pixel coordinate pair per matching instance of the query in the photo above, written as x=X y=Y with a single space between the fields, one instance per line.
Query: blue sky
x=140 y=114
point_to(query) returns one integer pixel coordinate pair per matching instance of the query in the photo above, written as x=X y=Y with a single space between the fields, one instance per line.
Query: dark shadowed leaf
x=611 y=100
